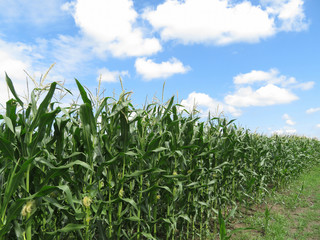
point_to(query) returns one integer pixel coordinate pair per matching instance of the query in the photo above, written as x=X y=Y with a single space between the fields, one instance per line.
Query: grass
x=294 y=212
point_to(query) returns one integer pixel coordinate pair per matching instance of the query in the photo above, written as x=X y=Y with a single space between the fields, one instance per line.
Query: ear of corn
x=106 y=170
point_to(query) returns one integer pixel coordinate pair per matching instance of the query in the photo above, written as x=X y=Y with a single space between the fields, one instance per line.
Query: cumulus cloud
x=14 y=59
x=110 y=76
x=205 y=104
x=264 y=88
x=255 y=76
x=289 y=13
x=312 y=110
x=288 y=119
x=112 y=26
x=224 y=21
x=273 y=76
x=213 y=21
x=285 y=131
x=264 y=96
x=150 y=70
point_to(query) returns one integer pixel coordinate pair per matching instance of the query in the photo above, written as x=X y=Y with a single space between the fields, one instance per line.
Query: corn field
x=107 y=170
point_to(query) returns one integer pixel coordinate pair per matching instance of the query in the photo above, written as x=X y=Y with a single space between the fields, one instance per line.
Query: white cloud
x=264 y=96
x=318 y=125
x=111 y=25
x=14 y=59
x=261 y=88
x=312 y=110
x=212 y=21
x=225 y=21
x=205 y=104
x=290 y=122
x=150 y=70
x=304 y=86
x=288 y=119
x=290 y=14
x=285 y=131
x=110 y=76
x=255 y=76
x=271 y=77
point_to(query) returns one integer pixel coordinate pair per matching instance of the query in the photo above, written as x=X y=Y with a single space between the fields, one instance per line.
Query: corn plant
x=103 y=169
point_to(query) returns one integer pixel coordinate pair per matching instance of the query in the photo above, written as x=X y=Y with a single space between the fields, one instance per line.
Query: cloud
x=288 y=119
x=256 y=88
x=151 y=70
x=255 y=76
x=312 y=110
x=318 y=125
x=289 y=13
x=271 y=77
x=225 y=21
x=264 y=96
x=261 y=88
x=304 y=86
x=205 y=104
x=110 y=76
x=111 y=25
x=18 y=58
x=285 y=131
x=14 y=59
x=210 y=21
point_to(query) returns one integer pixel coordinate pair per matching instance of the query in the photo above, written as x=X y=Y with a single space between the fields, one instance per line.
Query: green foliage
x=106 y=170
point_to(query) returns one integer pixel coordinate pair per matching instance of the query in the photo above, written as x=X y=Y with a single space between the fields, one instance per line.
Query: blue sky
x=256 y=61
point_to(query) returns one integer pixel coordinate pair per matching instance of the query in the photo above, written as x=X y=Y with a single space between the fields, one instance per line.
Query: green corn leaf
x=83 y=94
x=67 y=191
x=14 y=210
x=67 y=166
x=103 y=104
x=185 y=217
x=11 y=108
x=12 y=185
x=168 y=107
x=9 y=123
x=137 y=173
x=130 y=153
x=159 y=149
x=165 y=188
x=45 y=123
x=43 y=106
x=87 y=118
x=134 y=219
x=148 y=235
x=6 y=148
x=45 y=190
x=223 y=230
x=13 y=213
x=130 y=201
x=68 y=228
x=13 y=91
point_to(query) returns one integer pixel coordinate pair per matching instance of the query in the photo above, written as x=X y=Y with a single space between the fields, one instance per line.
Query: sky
x=254 y=61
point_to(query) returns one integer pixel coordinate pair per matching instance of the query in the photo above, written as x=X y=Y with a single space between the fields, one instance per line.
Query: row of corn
x=104 y=169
